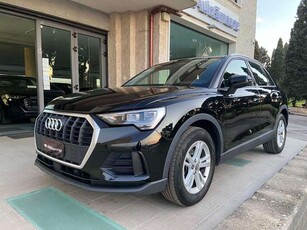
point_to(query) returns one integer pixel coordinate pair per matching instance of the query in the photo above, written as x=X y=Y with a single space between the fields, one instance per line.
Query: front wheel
x=3 y=117
x=277 y=143
x=192 y=168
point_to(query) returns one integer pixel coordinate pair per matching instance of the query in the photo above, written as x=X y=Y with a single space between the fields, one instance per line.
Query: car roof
x=230 y=56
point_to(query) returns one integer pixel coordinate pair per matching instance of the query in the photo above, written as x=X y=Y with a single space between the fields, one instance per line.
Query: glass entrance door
x=73 y=60
x=56 y=54
x=89 y=62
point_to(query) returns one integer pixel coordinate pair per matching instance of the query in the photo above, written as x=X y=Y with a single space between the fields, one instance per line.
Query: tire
x=192 y=168
x=2 y=116
x=277 y=143
x=3 y=119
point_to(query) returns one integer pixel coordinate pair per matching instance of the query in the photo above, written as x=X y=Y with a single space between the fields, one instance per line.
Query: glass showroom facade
x=186 y=43
x=17 y=46
x=40 y=58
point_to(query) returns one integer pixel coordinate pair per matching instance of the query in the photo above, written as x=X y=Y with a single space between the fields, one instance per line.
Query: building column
x=142 y=41
x=114 y=50
x=232 y=48
x=127 y=46
x=161 y=37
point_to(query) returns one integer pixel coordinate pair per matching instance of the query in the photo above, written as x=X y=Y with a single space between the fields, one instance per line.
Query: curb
x=280 y=204
x=298 y=114
x=298 y=111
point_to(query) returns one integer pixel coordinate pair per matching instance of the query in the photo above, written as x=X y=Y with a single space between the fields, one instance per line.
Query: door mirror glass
x=238 y=71
x=238 y=81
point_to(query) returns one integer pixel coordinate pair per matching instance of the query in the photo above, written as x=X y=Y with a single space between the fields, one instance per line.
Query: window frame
x=269 y=76
x=266 y=74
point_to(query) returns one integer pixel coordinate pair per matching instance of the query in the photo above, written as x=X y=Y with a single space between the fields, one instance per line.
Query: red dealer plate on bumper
x=53 y=148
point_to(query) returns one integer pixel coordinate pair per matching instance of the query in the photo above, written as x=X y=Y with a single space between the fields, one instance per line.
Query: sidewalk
x=298 y=111
x=280 y=204
x=234 y=182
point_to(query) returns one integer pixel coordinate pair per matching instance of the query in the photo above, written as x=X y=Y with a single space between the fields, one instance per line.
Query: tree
x=257 y=51
x=277 y=69
x=286 y=47
x=261 y=54
x=264 y=57
x=296 y=56
x=273 y=54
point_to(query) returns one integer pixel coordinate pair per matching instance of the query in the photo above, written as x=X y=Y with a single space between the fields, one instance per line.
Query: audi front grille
x=75 y=130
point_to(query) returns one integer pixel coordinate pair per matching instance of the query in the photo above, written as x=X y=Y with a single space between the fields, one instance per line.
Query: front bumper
x=119 y=159
x=16 y=110
x=148 y=188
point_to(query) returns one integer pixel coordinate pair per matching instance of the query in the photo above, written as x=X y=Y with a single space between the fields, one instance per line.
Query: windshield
x=198 y=72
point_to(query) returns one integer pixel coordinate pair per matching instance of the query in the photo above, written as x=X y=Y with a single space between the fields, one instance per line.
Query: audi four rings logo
x=53 y=124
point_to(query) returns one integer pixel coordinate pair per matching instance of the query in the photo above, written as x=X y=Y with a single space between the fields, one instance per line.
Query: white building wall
x=243 y=42
x=246 y=38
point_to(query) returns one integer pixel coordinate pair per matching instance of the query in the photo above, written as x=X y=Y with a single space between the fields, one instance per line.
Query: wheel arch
x=205 y=121
x=284 y=111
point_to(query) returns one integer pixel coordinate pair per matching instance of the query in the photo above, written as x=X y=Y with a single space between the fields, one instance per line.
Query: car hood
x=123 y=98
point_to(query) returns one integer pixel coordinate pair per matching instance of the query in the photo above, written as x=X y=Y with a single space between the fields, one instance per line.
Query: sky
x=275 y=19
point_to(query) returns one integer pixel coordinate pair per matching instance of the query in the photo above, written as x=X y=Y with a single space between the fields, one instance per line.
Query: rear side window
x=260 y=75
x=235 y=67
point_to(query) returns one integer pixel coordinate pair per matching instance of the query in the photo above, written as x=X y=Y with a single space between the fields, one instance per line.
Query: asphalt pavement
x=297 y=127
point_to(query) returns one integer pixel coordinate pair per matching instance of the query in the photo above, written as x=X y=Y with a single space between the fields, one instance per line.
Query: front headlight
x=5 y=98
x=143 y=119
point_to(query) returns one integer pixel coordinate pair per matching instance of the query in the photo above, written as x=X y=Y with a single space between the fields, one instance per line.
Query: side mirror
x=238 y=81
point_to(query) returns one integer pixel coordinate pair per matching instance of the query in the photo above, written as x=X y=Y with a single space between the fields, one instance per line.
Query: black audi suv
x=18 y=97
x=164 y=130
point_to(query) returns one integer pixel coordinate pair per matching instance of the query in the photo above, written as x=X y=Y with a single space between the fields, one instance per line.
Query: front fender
x=285 y=111
x=183 y=128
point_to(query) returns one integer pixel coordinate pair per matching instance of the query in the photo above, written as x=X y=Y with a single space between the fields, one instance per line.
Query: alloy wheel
x=281 y=133
x=196 y=167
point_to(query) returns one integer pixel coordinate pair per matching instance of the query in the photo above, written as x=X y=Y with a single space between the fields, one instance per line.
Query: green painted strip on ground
x=235 y=161
x=50 y=209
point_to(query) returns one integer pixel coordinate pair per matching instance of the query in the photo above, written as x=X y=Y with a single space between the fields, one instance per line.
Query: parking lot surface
x=234 y=181
x=298 y=127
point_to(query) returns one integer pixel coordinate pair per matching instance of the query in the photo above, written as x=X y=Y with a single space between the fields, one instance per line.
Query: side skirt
x=251 y=144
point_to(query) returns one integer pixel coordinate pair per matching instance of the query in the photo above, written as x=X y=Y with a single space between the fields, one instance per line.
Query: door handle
x=76 y=87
